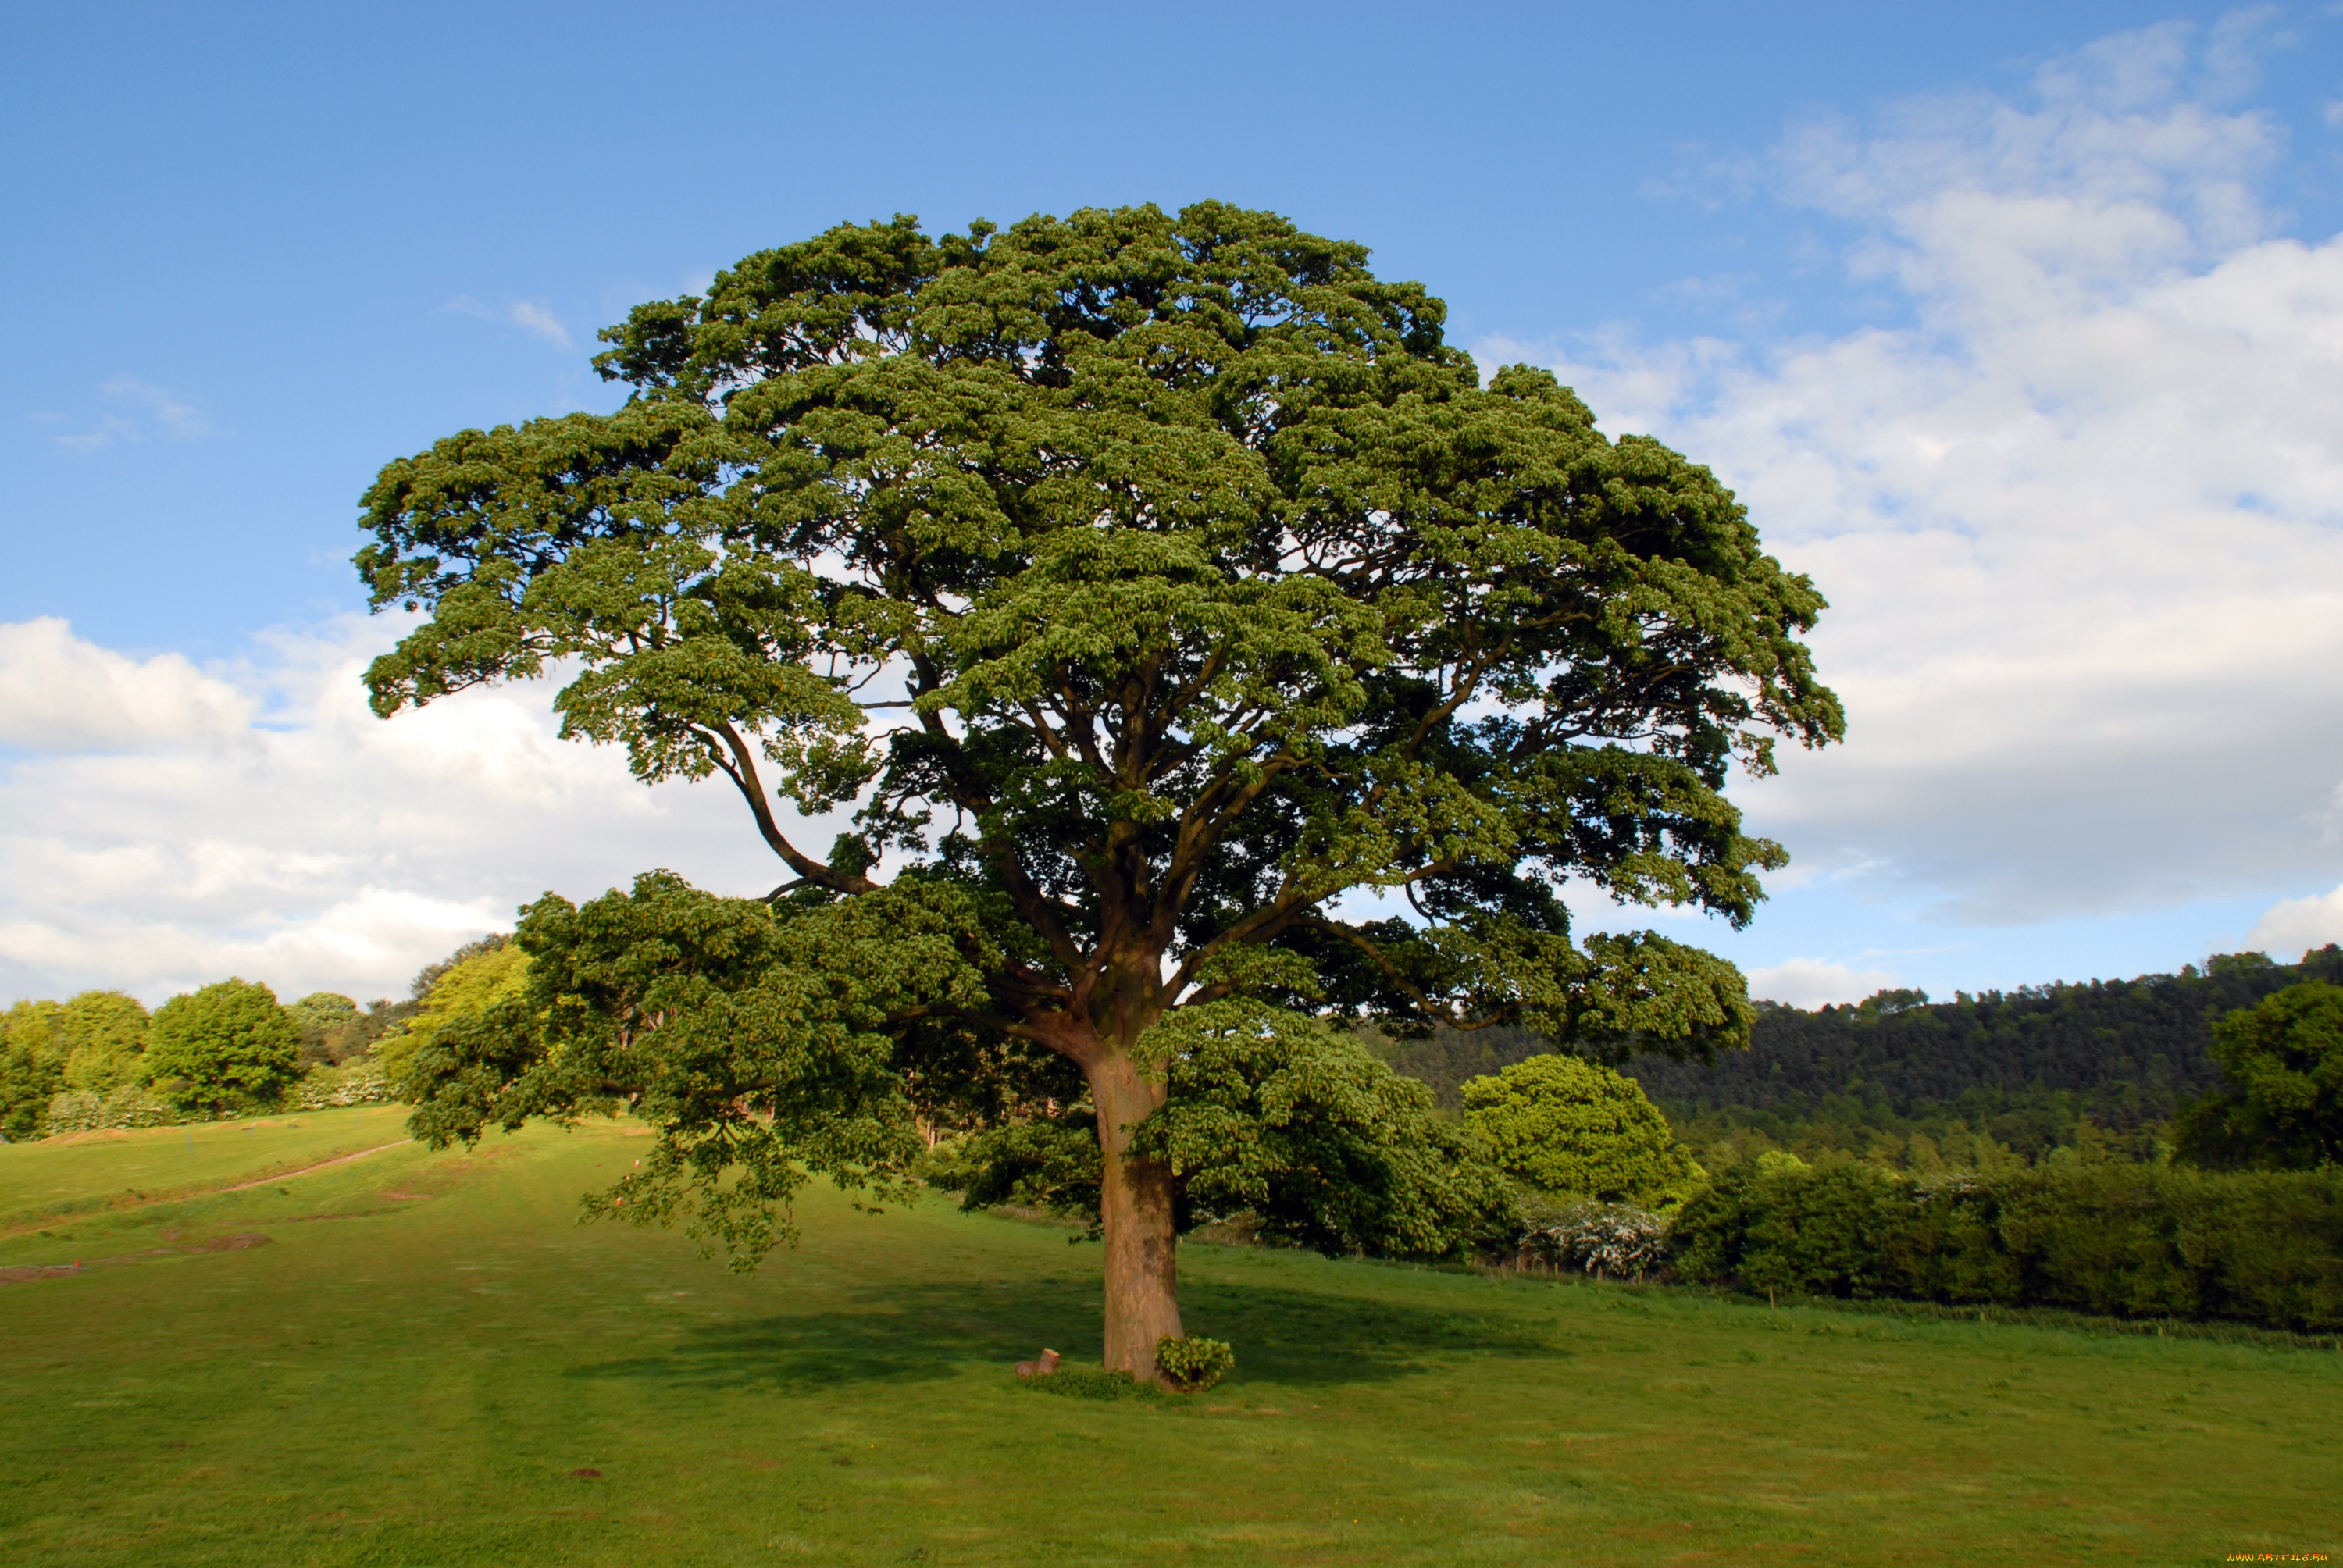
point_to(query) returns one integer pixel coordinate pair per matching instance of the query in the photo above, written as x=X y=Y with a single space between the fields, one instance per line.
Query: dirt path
x=320 y=1165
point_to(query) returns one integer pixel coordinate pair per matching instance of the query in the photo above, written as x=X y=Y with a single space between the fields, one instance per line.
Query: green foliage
x=1023 y=470
x=1928 y=1087
x=1193 y=1365
x=1046 y=1161
x=104 y=1034
x=323 y=1011
x=1568 y=1125
x=1272 y=1114
x=1144 y=582
x=2282 y=1106
x=32 y=1054
x=467 y=986
x=332 y=1027
x=748 y=1034
x=2121 y=1240
x=227 y=1044
x=1091 y=1383
x=1276 y=1114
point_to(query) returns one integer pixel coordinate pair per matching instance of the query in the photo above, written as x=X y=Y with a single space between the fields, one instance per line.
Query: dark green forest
x=2102 y=1064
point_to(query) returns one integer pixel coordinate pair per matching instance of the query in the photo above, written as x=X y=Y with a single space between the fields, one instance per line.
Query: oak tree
x=1186 y=624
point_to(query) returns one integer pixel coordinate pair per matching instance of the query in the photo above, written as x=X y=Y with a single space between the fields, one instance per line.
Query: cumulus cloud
x=2292 y=926
x=162 y=826
x=58 y=693
x=1812 y=982
x=2081 y=517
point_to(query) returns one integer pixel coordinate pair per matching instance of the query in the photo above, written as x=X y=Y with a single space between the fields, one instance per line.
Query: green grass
x=430 y=1349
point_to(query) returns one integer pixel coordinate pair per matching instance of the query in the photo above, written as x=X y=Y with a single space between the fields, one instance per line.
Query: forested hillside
x=2024 y=1067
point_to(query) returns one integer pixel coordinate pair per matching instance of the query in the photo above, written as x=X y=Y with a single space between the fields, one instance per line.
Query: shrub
x=359 y=1082
x=79 y=1111
x=2128 y=1241
x=1193 y=1365
x=33 y=1052
x=1600 y=1239
x=1821 y=1231
x=75 y=1111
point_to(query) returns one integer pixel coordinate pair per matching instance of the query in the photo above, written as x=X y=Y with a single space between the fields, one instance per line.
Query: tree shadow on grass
x=928 y=1331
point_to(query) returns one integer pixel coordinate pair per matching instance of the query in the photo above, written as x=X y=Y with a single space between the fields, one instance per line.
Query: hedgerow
x=2123 y=1240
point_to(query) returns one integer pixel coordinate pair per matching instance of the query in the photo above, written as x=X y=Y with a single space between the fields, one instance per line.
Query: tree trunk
x=1142 y=1267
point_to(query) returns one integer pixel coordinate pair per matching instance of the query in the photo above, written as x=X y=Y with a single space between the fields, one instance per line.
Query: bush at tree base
x=1194 y=1363
x=2123 y=1240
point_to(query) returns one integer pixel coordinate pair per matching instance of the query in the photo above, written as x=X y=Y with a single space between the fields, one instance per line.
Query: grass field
x=427 y=1351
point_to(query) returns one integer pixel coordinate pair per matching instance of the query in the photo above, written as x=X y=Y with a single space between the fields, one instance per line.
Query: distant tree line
x=2108 y=1063
x=100 y=1059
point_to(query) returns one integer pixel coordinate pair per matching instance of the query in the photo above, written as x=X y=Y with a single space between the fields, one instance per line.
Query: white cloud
x=2290 y=926
x=539 y=320
x=1811 y=982
x=2080 y=519
x=167 y=826
x=58 y=693
x=528 y=314
x=143 y=409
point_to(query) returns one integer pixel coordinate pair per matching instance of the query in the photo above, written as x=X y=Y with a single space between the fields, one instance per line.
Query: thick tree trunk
x=1143 y=1267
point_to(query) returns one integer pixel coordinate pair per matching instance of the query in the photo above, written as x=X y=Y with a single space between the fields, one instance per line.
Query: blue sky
x=256 y=252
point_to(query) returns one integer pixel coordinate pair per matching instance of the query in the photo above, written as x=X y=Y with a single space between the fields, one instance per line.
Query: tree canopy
x=1143 y=584
x=226 y=1043
x=2281 y=1107
x=105 y=1033
x=480 y=975
x=1568 y=1125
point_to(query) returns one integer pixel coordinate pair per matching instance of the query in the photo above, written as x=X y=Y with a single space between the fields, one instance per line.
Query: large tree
x=228 y=1044
x=1146 y=584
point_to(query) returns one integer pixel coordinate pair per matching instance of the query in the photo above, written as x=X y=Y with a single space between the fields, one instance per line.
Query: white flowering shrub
x=132 y=1105
x=360 y=1082
x=1610 y=1239
x=73 y=1112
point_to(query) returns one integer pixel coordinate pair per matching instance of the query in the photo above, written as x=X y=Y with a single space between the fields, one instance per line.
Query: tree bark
x=1143 y=1267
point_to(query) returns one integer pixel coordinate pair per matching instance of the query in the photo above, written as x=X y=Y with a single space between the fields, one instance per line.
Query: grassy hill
x=427 y=1361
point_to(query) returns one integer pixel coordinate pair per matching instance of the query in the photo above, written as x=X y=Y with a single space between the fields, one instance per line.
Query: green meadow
x=427 y=1361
